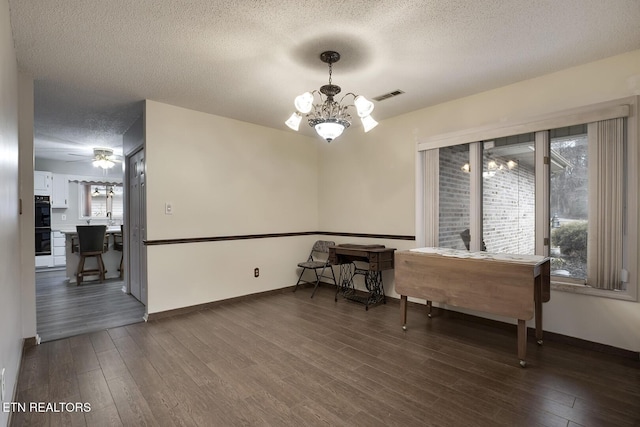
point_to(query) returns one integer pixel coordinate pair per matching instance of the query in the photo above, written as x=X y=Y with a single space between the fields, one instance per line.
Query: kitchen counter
x=72 y=229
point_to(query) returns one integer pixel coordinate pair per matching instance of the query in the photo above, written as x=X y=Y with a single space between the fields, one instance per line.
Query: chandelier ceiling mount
x=330 y=57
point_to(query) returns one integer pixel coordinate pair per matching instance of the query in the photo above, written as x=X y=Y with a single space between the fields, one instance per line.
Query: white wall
x=366 y=181
x=10 y=291
x=375 y=174
x=224 y=177
x=27 y=219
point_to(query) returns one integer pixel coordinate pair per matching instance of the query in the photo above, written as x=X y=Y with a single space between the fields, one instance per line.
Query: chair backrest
x=91 y=237
x=323 y=246
x=321 y=249
x=466 y=239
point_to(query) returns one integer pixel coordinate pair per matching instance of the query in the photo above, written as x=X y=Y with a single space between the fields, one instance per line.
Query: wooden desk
x=376 y=258
x=507 y=285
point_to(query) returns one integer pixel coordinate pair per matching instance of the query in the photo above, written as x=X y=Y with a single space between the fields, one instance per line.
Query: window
x=101 y=200
x=569 y=202
x=565 y=192
x=508 y=195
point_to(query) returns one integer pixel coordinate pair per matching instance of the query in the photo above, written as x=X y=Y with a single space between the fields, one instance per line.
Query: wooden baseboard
x=29 y=342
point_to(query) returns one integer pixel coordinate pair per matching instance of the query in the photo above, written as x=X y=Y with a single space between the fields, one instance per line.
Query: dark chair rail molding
x=272 y=235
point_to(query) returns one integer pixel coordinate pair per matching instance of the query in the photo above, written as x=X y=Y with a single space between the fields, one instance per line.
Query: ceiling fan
x=103 y=158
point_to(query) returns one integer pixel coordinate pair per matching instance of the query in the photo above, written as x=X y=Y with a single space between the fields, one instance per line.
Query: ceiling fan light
x=363 y=106
x=368 y=123
x=103 y=163
x=329 y=130
x=304 y=102
x=294 y=121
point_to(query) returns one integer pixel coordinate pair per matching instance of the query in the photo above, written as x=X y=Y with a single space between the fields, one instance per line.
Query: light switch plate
x=168 y=209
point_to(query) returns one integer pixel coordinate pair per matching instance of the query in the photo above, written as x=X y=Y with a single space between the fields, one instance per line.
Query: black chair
x=118 y=245
x=91 y=240
x=318 y=260
x=466 y=239
x=75 y=246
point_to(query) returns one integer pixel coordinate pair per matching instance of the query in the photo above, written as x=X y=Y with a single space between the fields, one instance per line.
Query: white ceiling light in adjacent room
x=328 y=117
x=103 y=158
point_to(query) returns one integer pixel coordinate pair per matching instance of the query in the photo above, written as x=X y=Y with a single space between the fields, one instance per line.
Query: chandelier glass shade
x=326 y=115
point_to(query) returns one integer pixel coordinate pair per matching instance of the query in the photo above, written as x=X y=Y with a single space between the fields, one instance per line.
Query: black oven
x=43 y=225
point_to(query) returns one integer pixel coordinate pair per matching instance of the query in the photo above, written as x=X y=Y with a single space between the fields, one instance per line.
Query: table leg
x=403 y=311
x=537 y=296
x=522 y=342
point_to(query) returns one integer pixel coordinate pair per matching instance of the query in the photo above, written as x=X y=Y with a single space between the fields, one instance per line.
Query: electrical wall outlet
x=256 y=272
x=64 y=217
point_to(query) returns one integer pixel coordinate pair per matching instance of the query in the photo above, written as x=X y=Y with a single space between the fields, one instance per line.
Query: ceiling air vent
x=388 y=95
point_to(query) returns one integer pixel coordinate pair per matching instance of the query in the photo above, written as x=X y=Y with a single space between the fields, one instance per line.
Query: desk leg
x=373 y=282
x=522 y=341
x=537 y=296
x=403 y=311
x=345 y=280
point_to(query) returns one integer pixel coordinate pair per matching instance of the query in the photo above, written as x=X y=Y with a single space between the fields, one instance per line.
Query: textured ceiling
x=93 y=62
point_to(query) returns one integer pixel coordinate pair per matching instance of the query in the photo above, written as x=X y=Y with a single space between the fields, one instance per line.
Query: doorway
x=81 y=194
x=64 y=309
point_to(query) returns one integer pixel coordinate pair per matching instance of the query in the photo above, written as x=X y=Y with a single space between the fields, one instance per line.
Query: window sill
x=588 y=290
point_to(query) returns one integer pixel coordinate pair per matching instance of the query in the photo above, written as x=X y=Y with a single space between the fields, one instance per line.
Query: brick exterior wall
x=509 y=211
x=508 y=205
x=454 y=196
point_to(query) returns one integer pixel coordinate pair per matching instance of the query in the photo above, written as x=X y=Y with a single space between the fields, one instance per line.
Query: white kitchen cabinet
x=42 y=183
x=59 y=255
x=60 y=191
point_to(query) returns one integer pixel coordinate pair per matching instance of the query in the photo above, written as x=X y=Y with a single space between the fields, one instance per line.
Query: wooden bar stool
x=91 y=244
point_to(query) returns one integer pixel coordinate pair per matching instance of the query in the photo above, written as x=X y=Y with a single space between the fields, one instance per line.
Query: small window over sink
x=99 y=200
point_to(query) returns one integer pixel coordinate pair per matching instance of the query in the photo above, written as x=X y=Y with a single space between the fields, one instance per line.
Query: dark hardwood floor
x=64 y=310
x=285 y=359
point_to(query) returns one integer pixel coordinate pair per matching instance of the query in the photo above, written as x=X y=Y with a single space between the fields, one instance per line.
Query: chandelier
x=328 y=117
